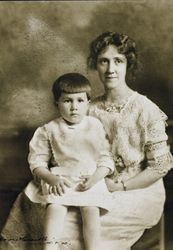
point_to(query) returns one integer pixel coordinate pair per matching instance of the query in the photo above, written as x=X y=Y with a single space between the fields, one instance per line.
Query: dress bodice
x=78 y=148
x=136 y=132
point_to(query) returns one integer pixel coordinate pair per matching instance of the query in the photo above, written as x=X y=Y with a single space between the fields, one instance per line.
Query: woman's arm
x=141 y=180
x=158 y=161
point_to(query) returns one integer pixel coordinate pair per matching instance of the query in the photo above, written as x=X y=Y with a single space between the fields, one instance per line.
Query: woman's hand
x=57 y=185
x=113 y=186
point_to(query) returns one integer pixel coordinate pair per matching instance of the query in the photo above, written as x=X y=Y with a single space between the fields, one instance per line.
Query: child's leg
x=53 y=226
x=91 y=227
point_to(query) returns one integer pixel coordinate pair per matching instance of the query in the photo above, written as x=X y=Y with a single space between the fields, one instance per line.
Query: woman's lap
x=121 y=228
x=138 y=207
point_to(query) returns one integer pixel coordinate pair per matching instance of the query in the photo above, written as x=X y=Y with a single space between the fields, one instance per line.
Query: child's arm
x=39 y=157
x=90 y=181
x=105 y=163
x=56 y=183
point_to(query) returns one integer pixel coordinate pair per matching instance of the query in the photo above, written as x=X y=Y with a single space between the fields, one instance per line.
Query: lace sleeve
x=159 y=157
x=39 y=150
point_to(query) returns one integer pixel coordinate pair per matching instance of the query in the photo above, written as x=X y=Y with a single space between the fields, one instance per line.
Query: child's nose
x=74 y=106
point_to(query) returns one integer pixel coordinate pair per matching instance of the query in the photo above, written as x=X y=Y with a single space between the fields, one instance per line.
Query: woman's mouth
x=111 y=77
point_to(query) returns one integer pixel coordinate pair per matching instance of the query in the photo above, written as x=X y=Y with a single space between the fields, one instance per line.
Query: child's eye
x=80 y=100
x=66 y=101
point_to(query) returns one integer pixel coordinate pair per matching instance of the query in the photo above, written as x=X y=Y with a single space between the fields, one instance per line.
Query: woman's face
x=111 y=67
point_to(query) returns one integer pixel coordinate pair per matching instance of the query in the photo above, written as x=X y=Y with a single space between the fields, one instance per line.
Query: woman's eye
x=103 y=61
x=117 y=60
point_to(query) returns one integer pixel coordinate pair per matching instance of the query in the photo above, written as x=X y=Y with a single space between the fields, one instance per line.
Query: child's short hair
x=71 y=83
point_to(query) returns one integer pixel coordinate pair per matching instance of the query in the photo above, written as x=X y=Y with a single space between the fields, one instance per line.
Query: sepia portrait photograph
x=86 y=125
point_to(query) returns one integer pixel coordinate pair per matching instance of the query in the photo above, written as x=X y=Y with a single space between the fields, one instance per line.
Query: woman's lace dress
x=136 y=131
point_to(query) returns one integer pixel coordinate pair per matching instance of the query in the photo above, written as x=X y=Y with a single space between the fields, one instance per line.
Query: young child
x=70 y=155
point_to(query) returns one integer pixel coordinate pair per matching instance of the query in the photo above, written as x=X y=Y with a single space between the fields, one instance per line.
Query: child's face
x=73 y=106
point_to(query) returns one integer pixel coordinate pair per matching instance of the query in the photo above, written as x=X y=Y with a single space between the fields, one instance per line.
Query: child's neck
x=70 y=123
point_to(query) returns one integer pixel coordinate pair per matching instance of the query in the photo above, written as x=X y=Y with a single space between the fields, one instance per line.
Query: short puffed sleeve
x=159 y=157
x=39 y=150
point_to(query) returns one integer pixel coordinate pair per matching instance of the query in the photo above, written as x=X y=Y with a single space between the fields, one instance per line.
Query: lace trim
x=114 y=107
x=162 y=164
x=157 y=130
x=155 y=146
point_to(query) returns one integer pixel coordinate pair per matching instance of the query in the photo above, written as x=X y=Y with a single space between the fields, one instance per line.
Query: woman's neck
x=117 y=95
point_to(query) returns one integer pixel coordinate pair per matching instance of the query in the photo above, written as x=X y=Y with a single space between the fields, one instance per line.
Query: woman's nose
x=111 y=67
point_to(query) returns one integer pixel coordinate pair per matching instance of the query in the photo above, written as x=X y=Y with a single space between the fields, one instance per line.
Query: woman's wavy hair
x=124 y=44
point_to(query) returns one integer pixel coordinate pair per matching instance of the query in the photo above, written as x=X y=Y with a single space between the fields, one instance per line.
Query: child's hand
x=113 y=186
x=87 y=183
x=57 y=185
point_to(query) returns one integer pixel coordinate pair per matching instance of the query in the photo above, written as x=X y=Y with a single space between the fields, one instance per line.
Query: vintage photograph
x=86 y=125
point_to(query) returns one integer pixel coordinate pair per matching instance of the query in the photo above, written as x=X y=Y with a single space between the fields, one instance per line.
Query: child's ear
x=56 y=103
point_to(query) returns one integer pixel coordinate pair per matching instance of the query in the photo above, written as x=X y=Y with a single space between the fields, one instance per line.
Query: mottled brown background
x=41 y=40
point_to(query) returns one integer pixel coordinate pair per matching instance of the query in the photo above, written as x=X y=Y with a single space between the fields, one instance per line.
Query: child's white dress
x=71 y=151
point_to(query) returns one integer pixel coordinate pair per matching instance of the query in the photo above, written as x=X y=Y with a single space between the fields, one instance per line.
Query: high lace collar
x=114 y=107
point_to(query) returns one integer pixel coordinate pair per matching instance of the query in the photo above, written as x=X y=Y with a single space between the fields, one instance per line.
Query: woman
x=136 y=130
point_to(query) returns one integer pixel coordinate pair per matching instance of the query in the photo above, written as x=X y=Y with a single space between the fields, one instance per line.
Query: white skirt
x=97 y=196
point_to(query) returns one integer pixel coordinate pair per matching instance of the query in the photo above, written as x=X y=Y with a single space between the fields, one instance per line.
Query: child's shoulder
x=52 y=124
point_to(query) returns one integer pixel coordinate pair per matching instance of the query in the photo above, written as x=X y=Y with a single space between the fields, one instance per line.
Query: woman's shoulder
x=148 y=108
x=144 y=100
x=145 y=103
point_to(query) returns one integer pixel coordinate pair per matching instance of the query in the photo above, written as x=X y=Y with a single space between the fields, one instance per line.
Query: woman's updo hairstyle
x=124 y=44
